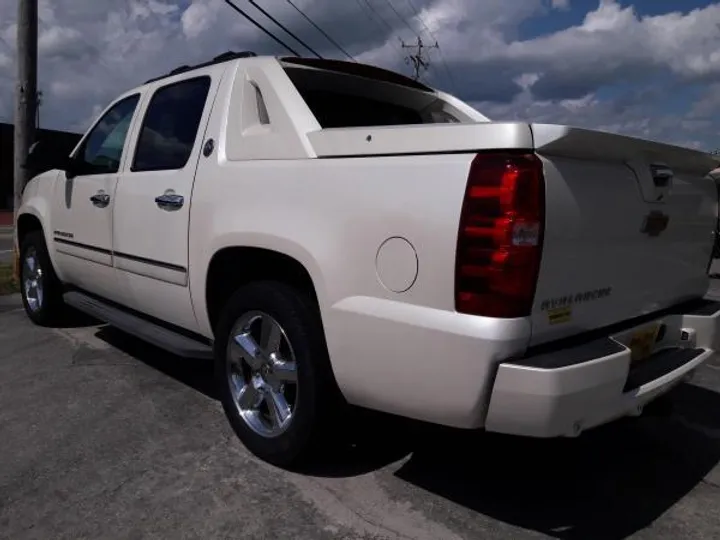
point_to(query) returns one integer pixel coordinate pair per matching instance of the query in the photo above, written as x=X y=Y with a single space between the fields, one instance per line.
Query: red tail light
x=500 y=238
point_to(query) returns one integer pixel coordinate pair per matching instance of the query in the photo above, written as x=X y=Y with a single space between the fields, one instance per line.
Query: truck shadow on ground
x=609 y=483
x=196 y=374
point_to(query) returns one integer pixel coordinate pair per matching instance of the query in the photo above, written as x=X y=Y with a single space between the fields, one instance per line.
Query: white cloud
x=62 y=42
x=526 y=80
x=612 y=38
x=576 y=105
x=91 y=50
x=642 y=117
x=197 y=19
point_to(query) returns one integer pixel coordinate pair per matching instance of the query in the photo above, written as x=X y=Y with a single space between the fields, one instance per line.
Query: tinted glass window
x=170 y=125
x=102 y=149
x=337 y=110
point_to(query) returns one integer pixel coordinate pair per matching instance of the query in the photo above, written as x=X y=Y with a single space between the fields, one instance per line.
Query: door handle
x=100 y=199
x=170 y=201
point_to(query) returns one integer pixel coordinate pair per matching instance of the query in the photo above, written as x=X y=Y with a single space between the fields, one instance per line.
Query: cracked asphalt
x=102 y=436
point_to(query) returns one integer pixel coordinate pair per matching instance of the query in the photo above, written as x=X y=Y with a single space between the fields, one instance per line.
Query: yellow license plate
x=642 y=342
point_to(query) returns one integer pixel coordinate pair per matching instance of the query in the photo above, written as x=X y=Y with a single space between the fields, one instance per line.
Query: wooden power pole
x=418 y=61
x=25 y=97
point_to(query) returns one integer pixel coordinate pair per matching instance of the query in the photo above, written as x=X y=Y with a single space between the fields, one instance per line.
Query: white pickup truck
x=334 y=233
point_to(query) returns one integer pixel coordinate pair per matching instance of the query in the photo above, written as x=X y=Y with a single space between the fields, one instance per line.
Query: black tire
x=50 y=309
x=317 y=401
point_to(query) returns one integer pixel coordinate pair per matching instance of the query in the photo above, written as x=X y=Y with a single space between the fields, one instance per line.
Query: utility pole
x=417 y=60
x=38 y=103
x=25 y=97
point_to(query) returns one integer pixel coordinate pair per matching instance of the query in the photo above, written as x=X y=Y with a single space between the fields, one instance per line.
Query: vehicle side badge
x=208 y=148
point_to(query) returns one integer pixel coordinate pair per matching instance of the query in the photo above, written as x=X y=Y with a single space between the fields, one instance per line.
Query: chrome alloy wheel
x=32 y=280
x=262 y=373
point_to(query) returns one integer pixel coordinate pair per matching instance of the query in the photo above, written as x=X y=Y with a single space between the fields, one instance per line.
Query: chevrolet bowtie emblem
x=655 y=223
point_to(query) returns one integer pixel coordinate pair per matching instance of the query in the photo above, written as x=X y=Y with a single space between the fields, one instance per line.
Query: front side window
x=102 y=149
x=170 y=126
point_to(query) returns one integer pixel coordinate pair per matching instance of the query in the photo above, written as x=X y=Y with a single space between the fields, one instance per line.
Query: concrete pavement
x=106 y=437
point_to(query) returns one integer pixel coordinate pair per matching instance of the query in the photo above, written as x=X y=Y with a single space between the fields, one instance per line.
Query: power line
x=261 y=27
x=430 y=33
x=417 y=59
x=419 y=18
x=402 y=19
x=273 y=19
x=379 y=16
x=331 y=40
x=365 y=12
x=368 y=10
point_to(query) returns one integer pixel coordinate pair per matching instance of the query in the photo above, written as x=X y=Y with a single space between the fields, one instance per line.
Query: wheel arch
x=233 y=266
x=28 y=222
x=31 y=217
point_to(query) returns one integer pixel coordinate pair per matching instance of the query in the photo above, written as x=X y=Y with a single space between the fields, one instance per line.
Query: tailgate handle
x=662 y=175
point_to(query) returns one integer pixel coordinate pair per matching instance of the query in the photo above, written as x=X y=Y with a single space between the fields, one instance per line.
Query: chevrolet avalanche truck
x=332 y=233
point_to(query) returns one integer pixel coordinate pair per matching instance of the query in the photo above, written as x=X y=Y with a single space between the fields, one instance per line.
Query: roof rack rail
x=179 y=69
x=220 y=58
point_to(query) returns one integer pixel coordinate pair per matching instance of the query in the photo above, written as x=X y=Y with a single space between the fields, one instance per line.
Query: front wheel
x=40 y=288
x=273 y=372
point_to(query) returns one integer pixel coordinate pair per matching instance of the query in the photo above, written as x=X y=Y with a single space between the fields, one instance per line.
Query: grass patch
x=8 y=285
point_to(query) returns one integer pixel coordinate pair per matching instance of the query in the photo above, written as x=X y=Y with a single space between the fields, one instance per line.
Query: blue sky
x=574 y=14
x=649 y=68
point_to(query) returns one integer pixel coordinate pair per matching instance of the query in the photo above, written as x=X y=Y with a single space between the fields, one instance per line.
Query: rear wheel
x=40 y=288
x=273 y=372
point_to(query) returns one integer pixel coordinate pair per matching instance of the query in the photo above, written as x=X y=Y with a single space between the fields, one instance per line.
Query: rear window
x=341 y=100
x=335 y=109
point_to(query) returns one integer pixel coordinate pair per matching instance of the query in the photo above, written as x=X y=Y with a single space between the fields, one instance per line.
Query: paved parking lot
x=105 y=437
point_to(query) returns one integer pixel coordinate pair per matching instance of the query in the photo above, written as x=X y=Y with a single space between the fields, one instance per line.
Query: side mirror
x=43 y=157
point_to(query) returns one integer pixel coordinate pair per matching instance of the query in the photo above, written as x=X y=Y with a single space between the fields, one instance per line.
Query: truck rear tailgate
x=629 y=229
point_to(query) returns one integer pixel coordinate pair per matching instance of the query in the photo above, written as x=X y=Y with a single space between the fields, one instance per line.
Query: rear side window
x=170 y=126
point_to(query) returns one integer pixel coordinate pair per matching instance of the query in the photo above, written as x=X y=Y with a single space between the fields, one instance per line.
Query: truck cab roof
x=339 y=66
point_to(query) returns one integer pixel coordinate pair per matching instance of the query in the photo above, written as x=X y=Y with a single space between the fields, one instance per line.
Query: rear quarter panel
x=333 y=216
